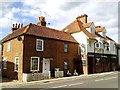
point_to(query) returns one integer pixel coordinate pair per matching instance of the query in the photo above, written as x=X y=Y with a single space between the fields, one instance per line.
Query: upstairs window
x=39 y=45
x=65 y=48
x=107 y=47
x=97 y=45
x=8 y=47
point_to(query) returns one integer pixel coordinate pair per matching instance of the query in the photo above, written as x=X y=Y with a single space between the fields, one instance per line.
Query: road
x=100 y=81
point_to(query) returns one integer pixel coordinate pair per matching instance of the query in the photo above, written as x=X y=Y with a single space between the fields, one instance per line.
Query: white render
x=88 y=44
x=81 y=38
x=91 y=29
x=119 y=56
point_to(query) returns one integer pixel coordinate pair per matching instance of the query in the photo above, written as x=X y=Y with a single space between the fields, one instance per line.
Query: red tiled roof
x=41 y=31
x=86 y=25
x=99 y=29
x=72 y=27
x=77 y=26
x=15 y=33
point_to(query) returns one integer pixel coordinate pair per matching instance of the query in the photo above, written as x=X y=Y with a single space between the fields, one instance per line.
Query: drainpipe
x=94 y=54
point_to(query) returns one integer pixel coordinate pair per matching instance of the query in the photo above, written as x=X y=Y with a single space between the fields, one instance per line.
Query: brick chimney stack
x=16 y=26
x=82 y=18
x=41 y=21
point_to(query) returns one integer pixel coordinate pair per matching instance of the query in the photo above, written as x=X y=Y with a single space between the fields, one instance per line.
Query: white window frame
x=65 y=64
x=8 y=46
x=98 y=45
x=4 y=61
x=15 y=64
x=37 y=45
x=38 y=64
x=66 y=47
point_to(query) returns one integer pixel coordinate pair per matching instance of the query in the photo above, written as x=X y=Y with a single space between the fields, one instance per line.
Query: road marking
x=105 y=79
x=98 y=80
x=60 y=86
x=110 y=78
x=67 y=85
x=74 y=84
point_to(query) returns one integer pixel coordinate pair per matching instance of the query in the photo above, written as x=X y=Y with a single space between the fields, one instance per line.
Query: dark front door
x=78 y=66
x=90 y=65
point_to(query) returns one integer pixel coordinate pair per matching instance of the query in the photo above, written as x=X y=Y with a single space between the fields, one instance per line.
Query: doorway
x=46 y=65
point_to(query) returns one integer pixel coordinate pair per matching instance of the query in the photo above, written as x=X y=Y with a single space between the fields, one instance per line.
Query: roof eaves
x=10 y=37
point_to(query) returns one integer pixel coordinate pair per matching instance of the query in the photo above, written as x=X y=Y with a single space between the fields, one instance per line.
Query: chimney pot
x=21 y=25
x=13 y=25
x=41 y=21
x=82 y=18
x=18 y=26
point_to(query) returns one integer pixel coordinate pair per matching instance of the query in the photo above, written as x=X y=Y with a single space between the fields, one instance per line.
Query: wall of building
x=81 y=38
x=90 y=45
x=119 y=56
x=53 y=49
x=91 y=29
x=16 y=48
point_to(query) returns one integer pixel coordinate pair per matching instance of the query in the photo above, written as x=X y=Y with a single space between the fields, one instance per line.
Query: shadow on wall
x=8 y=74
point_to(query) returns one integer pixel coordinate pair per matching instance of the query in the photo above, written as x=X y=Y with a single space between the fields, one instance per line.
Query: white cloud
x=62 y=12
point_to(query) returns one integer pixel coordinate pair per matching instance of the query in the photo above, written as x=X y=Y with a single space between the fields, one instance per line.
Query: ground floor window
x=16 y=64
x=34 y=63
x=65 y=64
x=5 y=64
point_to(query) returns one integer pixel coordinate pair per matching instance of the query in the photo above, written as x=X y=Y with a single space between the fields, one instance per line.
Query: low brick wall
x=27 y=77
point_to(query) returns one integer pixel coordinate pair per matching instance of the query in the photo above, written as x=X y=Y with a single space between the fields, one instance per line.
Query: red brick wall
x=16 y=50
x=52 y=48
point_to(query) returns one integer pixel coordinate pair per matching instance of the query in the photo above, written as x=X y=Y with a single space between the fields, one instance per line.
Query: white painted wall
x=112 y=48
x=90 y=45
x=119 y=56
x=0 y=52
x=81 y=38
x=91 y=29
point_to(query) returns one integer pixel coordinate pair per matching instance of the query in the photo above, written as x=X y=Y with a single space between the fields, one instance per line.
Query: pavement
x=8 y=82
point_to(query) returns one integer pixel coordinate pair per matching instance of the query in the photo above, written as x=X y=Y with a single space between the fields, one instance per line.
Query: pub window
x=108 y=47
x=97 y=45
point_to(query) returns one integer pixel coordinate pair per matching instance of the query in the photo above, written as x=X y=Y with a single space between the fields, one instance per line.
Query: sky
x=59 y=13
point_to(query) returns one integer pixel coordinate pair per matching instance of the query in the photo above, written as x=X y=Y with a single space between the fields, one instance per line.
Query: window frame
x=38 y=64
x=5 y=61
x=66 y=48
x=8 y=47
x=16 y=64
x=66 y=65
x=37 y=45
x=108 y=47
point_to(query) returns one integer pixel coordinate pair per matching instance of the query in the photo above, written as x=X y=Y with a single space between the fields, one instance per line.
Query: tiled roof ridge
x=56 y=30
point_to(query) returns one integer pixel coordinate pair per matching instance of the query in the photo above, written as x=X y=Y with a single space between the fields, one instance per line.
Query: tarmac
x=8 y=82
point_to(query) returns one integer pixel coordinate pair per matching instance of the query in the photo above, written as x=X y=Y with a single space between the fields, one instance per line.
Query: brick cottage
x=36 y=48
